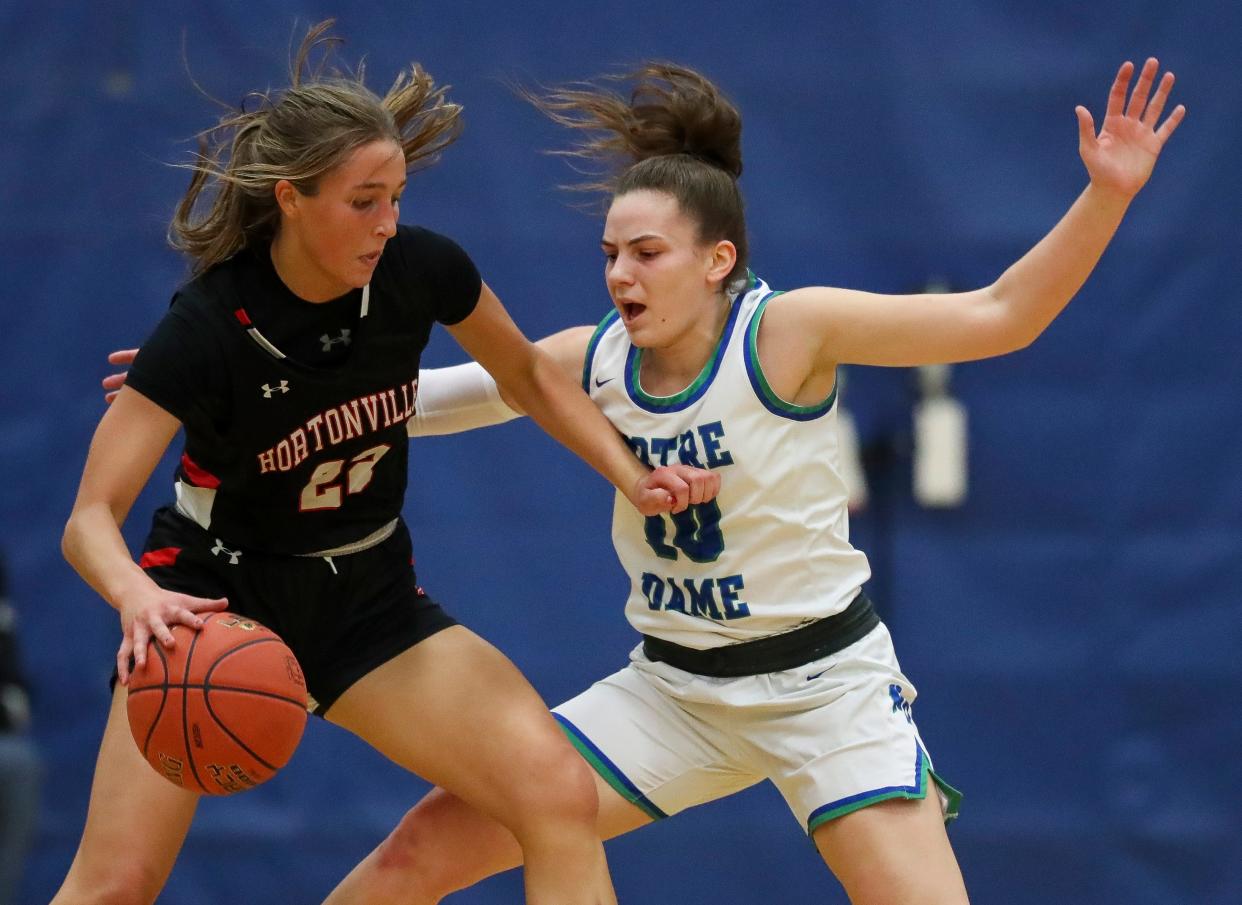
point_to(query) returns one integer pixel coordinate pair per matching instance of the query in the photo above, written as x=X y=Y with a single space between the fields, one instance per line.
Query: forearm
x=464 y=397
x=1041 y=283
x=93 y=545
x=558 y=405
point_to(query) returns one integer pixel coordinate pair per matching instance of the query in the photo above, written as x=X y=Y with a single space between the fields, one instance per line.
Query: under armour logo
x=328 y=343
x=268 y=389
x=219 y=548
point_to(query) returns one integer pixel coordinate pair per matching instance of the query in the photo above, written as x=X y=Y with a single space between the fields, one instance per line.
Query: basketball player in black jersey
x=291 y=361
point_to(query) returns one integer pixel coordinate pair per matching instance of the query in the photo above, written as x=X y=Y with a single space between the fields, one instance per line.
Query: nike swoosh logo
x=600 y=383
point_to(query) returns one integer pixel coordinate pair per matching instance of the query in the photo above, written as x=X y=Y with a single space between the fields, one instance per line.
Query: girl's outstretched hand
x=1124 y=153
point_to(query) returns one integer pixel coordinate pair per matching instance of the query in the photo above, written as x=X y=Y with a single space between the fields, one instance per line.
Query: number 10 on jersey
x=696 y=533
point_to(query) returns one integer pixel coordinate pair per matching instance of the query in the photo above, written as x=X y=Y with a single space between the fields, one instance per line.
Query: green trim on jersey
x=709 y=369
x=705 y=375
x=767 y=394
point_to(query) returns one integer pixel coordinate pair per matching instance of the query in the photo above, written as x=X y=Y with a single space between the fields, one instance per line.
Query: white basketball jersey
x=772 y=551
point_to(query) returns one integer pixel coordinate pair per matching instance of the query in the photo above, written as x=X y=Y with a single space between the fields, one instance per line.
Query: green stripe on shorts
x=953 y=798
x=600 y=765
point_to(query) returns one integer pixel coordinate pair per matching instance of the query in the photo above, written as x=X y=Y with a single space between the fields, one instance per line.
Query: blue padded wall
x=1072 y=629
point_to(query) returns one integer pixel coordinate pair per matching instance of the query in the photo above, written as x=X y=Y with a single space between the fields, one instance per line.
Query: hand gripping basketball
x=221 y=711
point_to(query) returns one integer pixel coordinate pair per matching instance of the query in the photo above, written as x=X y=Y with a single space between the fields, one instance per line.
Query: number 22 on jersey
x=325 y=491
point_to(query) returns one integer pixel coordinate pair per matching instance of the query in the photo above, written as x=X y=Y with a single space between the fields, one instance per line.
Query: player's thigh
x=454 y=710
x=894 y=852
x=617 y=815
x=136 y=820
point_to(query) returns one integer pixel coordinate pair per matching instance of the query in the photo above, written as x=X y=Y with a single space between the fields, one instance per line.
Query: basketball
x=223 y=710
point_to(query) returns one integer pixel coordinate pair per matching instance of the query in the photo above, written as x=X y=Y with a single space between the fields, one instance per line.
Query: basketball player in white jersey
x=760 y=657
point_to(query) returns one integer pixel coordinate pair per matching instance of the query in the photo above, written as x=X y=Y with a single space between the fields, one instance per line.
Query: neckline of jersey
x=700 y=384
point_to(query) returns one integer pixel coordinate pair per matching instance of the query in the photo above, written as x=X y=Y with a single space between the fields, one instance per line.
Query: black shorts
x=341 y=617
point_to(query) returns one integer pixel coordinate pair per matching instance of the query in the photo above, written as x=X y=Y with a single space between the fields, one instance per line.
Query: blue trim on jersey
x=610 y=772
x=691 y=394
x=609 y=319
x=772 y=402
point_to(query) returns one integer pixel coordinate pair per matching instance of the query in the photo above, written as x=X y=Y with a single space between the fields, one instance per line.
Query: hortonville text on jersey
x=364 y=415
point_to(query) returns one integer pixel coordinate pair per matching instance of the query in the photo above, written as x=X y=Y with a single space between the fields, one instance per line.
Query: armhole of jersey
x=609 y=319
x=772 y=402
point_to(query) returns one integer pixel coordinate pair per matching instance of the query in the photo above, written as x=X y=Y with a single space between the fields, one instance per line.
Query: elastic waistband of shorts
x=373 y=539
x=775 y=653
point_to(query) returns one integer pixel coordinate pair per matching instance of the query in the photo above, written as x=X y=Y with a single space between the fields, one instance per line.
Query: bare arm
x=127 y=445
x=568 y=349
x=465 y=397
x=532 y=381
x=824 y=326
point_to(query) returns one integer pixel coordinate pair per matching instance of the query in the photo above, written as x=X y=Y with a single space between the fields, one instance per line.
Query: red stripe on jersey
x=242 y=316
x=164 y=557
x=198 y=476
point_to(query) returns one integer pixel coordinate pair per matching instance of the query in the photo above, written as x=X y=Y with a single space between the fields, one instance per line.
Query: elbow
x=68 y=539
x=1011 y=327
x=1021 y=339
x=992 y=343
x=1000 y=332
x=506 y=398
x=1026 y=334
x=73 y=539
x=535 y=379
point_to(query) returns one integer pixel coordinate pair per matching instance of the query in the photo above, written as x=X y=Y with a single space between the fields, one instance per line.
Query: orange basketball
x=223 y=710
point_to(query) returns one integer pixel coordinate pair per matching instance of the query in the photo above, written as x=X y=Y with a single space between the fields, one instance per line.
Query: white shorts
x=834 y=735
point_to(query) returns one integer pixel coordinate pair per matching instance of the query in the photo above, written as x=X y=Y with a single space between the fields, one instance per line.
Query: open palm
x=1124 y=153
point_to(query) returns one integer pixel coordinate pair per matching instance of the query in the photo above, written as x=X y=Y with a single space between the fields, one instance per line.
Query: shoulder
x=411 y=235
x=785 y=330
x=568 y=348
x=209 y=295
x=419 y=250
x=200 y=320
x=433 y=270
x=803 y=310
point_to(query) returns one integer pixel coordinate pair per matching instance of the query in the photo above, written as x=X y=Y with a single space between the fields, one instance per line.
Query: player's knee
x=121 y=884
x=410 y=862
x=559 y=787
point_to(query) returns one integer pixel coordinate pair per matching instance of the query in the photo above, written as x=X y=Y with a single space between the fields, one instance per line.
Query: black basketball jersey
x=281 y=455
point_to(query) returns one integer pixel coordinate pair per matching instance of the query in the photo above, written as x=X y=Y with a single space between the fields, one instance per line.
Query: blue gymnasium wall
x=1073 y=628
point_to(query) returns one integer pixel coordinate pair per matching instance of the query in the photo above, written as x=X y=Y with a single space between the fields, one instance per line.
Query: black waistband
x=772 y=654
